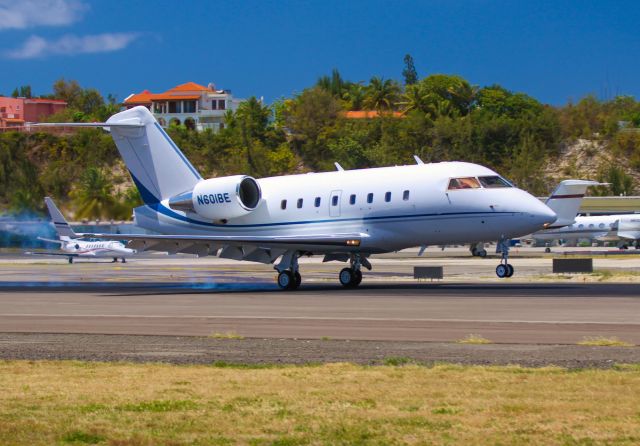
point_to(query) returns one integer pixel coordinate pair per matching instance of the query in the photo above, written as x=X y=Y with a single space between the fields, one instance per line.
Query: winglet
x=338 y=166
x=62 y=227
x=418 y=160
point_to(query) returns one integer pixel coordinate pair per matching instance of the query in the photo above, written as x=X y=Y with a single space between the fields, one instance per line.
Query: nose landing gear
x=504 y=269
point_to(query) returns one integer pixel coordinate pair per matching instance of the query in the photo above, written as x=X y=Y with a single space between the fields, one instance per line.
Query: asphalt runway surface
x=170 y=310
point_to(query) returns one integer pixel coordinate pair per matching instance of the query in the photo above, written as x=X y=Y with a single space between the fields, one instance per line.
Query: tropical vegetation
x=438 y=117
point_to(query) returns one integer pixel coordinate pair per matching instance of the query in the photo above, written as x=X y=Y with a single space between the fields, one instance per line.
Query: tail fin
x=566 y=199
x=63 y=229
x=158 y=168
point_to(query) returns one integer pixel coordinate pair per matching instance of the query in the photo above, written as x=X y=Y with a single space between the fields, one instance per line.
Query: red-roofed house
x=14 y=112
x=196 y=106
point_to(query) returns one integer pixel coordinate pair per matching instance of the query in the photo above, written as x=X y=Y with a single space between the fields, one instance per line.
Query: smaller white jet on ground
x=72 y=246
x=622 y=228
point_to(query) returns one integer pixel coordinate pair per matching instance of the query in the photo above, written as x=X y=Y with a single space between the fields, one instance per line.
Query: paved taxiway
x=200 y=297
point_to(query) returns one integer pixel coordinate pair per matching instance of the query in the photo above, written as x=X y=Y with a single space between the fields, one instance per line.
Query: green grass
x=226 y=335
x=121 y=404
x=603 y=341
x=474 y=339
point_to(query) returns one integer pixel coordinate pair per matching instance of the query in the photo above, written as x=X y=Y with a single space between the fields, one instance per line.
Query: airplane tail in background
x=63 y=229
x=158 y=167
x=566 y=199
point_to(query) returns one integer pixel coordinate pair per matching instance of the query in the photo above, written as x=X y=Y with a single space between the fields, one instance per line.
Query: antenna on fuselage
x=338 y=166
x=418 y=160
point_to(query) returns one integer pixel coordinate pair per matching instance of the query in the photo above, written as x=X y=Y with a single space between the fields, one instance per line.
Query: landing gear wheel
x=547 y=250
x=124 y=260
x=70 y=259
x=350 y=278
x=298 y=279
x=482 y=253
x=358 y=278
x=501 y=271
x=509 y=270
x=287 y=281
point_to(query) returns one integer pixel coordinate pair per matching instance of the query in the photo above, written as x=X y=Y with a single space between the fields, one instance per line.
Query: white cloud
x=35 y=46
x=20 y=14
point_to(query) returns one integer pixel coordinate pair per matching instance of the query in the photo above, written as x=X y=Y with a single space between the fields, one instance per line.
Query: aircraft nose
x=543 y=215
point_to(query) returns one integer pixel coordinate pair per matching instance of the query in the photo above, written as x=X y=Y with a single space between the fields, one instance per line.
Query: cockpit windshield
x=494 y=181
x=464 y=183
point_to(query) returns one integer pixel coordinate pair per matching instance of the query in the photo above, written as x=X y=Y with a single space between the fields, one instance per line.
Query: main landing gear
x=504 y=269
x=289 y=276
x=477 y=250
x=352 y=276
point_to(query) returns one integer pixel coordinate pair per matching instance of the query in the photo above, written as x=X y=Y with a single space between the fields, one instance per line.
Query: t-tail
x=158 y=167
x=63 y=229
x=566 y=199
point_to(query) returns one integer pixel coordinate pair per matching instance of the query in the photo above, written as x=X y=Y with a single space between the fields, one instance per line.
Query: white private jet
x=623 y=228
x=72 y=246
x=345 y=215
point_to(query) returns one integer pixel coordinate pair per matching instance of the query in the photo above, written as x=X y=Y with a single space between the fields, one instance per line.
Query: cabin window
x=387 y=197
x=581 y=226
x=317 y=202
x=352 y=199
x=299 y=203
x=369 y=198
x=494 y=182
x=591 y=226
x=463 y=183
x=334 y=200
x=405 y=195
x=283 y=204
x=601 y=225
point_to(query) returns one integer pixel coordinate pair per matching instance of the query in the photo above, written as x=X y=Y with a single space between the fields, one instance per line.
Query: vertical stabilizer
x=63 y=229
x=158 y=167
x=566 y=199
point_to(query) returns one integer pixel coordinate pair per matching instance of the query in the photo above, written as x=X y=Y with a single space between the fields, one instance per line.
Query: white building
x=195 y=106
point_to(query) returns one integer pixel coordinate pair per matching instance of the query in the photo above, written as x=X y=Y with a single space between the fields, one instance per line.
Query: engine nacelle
x=220 y=198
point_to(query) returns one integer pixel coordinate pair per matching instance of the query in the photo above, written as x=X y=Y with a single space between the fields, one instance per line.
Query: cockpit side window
x=464 y=183
x=494 y=181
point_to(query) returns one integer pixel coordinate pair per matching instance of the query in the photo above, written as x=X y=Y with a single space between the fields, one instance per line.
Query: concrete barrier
x=428 y=272
x=572 y=265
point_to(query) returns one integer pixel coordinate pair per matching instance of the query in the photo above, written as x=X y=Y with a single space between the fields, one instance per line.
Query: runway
x=511 y=313
x=387 y=309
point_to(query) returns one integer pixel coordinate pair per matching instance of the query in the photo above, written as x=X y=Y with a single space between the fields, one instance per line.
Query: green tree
x=381 y=94
x=94 y=197
x=409 y=72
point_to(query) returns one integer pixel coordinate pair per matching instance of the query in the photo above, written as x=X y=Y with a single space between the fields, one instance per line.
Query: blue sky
x=552 y=50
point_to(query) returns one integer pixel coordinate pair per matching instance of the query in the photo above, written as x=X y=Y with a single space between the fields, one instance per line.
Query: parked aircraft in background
x=72 y=246
x=345 y=215
x=622 y=228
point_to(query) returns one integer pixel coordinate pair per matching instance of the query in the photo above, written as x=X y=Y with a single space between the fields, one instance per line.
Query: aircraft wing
x=252 y=248
x=35 y=253
x=631 y=235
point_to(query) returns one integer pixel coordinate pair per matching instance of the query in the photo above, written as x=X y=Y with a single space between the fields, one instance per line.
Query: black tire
x=501 y=271
x=357 y=278
x=298 y=279
x=482 y=253
x=70 y=259
x=286 y=281
x=547 y=250
x=346 y=277
x=510 y=270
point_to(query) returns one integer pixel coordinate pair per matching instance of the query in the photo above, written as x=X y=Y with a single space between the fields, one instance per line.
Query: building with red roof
x=196 y=106
x=15 y=112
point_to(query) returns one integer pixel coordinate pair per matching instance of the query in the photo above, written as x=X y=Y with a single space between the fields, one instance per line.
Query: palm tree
x=381 y=94
x=94 y=198
x=354 y=95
